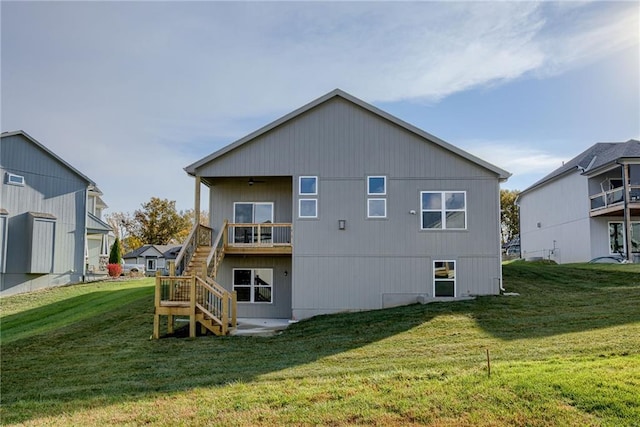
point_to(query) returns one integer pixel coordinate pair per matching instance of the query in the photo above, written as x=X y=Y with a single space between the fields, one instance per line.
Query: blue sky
x=130 y=93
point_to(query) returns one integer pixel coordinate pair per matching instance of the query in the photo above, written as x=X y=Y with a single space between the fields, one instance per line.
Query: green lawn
x=564 y=352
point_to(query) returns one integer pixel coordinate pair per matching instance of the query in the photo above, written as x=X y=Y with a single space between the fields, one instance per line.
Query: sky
x=130 y=93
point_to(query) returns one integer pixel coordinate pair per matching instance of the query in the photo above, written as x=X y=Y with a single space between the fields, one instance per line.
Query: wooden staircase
x=198 y=262
x=195 y=293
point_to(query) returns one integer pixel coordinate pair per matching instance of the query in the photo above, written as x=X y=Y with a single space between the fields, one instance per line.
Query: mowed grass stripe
x=64 y=306
x=564 y=352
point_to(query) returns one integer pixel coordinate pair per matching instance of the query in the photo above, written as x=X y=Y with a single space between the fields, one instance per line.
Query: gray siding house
x=44 y=218
x=340 y=206
x=587 y=208
x=153 y=257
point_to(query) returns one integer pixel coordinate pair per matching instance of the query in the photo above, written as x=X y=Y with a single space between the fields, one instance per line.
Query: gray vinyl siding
x=225 y=192
x=281 y=290
x=561 y=207
x=50 y=188
x=373 y=262
x=41 y=236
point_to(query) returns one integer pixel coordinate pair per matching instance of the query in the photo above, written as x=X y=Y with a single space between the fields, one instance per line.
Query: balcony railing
x=259 y=235
x=614 y=197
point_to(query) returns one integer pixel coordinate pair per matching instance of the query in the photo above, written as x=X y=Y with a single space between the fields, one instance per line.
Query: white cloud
x=130 y=93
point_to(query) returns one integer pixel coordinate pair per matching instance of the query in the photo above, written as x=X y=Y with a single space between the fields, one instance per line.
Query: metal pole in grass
x=488 y=364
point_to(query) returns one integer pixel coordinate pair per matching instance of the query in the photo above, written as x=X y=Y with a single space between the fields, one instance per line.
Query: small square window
x=377 y=208
x=377 y=185
x=309 y=185
x=308 y=208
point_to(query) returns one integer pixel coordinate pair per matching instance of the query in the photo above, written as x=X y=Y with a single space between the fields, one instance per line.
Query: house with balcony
x=336 y=206
x=51 y=233
x=587 y=208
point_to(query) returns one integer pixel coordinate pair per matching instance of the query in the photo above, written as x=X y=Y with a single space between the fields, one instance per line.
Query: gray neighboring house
x=587 y=208
x=50 y=233
x=340 y=206
x=153 y=257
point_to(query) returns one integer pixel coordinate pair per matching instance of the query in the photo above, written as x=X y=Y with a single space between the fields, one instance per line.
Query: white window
x=377 y=207
x=151 y=264
x=444 y=278
x=14 y=179
x=443 y=210
x=376 y=185
x=253 y=285
x=308 y=206
x=308 y=186
x=617 y=244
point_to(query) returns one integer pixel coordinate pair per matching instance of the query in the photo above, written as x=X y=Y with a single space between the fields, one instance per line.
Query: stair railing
x=200 y=235
x=217 y=252
x=216 y=303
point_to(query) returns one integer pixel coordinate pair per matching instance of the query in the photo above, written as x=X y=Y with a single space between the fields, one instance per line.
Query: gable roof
x=49 y=152
x=167 y=251
x=598 y=156
x=192 y=168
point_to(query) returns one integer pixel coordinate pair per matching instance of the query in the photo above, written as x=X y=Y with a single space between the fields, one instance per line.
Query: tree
x=190 y=215
x=509 y=214
x=124 y=227
x=115 y=256
x=158 y=222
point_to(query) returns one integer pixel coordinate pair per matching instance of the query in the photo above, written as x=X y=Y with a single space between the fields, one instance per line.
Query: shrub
x=114 y=270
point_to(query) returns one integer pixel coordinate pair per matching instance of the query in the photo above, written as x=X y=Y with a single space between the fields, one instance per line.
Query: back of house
x=339 y=206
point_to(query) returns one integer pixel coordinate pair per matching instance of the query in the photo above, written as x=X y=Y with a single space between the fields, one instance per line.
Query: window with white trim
x=377 y=206
x=617 y=244
x=444 y=278
x=308 y=201
x=14 y=179
x=253 y=285
x=152 y=263
x=443 y=210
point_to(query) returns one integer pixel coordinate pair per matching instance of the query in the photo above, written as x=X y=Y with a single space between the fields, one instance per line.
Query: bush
x=115 y=270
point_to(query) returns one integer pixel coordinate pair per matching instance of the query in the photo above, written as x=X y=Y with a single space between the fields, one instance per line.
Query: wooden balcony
x=612 y=202
x=258 y=239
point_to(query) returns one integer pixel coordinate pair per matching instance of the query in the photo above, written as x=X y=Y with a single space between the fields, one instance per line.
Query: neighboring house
x=153 y=257
x=100 y=237
x=45 y=218
x=340 y=206
x=587 y=208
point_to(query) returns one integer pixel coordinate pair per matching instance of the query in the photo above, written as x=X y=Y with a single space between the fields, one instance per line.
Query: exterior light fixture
x=342 y=224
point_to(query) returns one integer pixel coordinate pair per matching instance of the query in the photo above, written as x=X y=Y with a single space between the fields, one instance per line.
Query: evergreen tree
x=115 y=256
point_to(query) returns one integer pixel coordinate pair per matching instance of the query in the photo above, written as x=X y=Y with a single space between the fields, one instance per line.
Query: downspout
x=502 y=289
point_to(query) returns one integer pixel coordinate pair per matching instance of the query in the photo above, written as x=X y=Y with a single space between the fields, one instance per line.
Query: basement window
x=444 y=278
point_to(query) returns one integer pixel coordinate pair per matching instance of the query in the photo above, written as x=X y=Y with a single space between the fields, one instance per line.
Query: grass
x=564 y=352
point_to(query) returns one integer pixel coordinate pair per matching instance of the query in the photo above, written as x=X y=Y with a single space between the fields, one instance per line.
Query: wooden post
x=225 y=314
x=234 y=306
x=225 y=234
x=488 y=364
x=156 y=316
x=196 y=205
x=627 y=212
x=192 y=308
x=172 y=268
